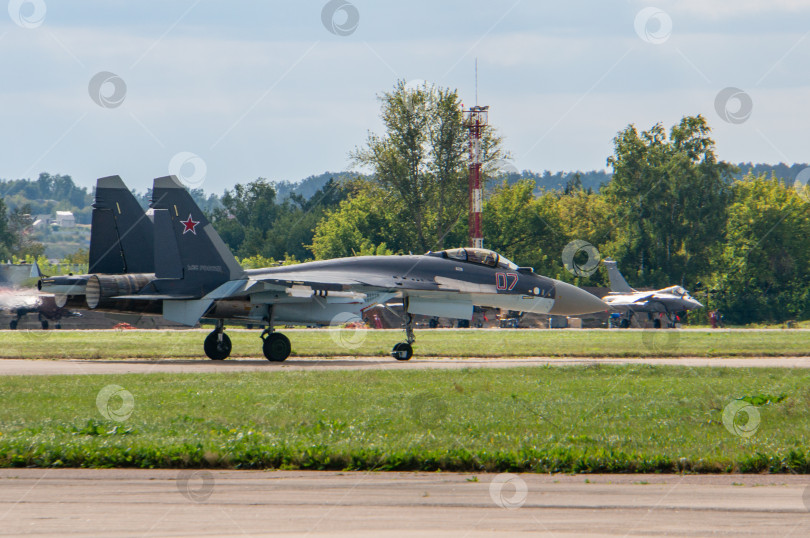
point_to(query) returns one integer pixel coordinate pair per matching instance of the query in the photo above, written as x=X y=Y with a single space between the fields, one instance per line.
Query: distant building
x=65 y=219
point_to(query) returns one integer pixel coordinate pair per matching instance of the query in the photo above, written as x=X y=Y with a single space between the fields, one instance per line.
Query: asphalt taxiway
x=115 y=502
x=143 y=366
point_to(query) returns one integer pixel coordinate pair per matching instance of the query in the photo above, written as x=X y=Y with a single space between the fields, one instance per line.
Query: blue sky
x=246 y=89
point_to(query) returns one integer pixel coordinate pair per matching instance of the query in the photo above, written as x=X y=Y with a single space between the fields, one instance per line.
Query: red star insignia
x=189 y=225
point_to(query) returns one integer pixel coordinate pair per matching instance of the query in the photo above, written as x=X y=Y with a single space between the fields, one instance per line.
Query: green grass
x=544 y=419
x=450 y=343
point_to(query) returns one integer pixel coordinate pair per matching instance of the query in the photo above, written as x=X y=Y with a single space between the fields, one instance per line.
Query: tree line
x=670 y=212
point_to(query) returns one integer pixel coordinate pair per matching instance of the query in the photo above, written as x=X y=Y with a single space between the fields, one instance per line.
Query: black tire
x=216 y=349
x=276 y=347
x=57 y=326
x=44 y=324
x=13 y=324
x=402 y=351
x=656 y=323
x=625 y=324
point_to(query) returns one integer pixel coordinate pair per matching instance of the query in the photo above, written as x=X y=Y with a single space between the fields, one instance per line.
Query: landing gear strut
x=403 y=351
x=217 y=344
x=276 y=347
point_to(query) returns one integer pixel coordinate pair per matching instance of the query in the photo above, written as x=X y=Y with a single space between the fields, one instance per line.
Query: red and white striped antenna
x=474 y=119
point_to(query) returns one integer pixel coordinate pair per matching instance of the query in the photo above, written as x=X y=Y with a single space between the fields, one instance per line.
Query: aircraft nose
x=570 y=300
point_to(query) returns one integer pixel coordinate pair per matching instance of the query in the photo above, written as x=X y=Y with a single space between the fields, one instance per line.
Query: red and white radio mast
x=475 y=119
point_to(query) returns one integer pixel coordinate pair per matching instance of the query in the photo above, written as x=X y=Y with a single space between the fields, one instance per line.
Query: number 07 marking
x=505 y=281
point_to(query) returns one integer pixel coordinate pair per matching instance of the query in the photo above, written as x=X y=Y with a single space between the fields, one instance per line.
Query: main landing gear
x=403 y=351
x=276 y=347
x=217 y=344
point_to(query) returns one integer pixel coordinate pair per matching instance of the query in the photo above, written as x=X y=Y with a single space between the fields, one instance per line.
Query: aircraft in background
x=19 y=301
x=171 y=261
x=672 y=302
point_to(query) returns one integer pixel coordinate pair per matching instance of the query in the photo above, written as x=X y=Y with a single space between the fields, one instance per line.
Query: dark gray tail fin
x=188 y=248
x=121 y=237
x=617 y=282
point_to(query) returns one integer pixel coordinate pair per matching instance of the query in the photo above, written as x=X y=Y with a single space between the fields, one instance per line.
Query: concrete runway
x=293 y=503
x=134 y=366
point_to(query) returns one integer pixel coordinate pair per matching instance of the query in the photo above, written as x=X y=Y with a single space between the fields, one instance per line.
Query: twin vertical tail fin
x=617 y=282
x=121 y=238
x=186 y=245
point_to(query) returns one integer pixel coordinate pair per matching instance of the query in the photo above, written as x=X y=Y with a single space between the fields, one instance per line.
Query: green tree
x=669 y=198
x=422 y=160
x=763 y=273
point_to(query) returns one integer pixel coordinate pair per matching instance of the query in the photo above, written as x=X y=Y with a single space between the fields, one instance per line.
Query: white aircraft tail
x=617 y=282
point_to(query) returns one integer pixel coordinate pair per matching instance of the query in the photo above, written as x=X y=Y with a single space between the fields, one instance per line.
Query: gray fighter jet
x=172 y=262
x=671 y=303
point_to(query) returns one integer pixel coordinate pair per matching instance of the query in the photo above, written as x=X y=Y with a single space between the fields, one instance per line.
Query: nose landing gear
x=403 y=351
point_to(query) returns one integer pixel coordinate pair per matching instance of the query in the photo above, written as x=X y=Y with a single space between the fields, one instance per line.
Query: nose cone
x=570 y=301
x=694 y=304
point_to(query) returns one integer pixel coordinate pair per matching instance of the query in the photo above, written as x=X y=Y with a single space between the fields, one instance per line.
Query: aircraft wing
x=324 y=280
x=631 y=300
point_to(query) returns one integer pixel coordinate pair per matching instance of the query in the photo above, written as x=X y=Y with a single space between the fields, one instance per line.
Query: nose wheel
x=403 y=351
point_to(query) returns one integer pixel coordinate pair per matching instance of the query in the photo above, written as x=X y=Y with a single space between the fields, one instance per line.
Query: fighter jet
x=19 y=301
x=671 y=302
x=171 y=261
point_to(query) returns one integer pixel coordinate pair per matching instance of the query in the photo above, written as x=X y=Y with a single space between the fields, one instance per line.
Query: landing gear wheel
x=657 y=323
x=13 y=324
x=216 y=349
x=44 y=324
x=402 y=351
x=624 y=324
x=276 y=347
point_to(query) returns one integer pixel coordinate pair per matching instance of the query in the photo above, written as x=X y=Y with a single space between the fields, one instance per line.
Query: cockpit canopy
x=480 y=256
x=677 y=290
